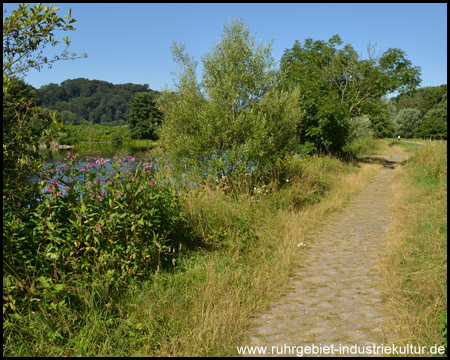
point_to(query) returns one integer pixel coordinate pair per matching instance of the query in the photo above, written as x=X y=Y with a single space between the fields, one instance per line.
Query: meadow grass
x=414 y=267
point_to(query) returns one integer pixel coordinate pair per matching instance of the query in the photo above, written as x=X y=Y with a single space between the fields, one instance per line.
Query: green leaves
x=407 y=121
x=144 y=117
x=103 y=236
x=27 y=31
x=237 y=118
x=333 y=76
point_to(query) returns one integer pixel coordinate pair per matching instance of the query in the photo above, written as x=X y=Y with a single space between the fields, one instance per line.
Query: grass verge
x=414 y=268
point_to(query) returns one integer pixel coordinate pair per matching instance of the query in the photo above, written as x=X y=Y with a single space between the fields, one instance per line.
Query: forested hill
x=84 y=101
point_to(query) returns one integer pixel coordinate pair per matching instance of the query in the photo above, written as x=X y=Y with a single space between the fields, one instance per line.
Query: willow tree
x=237 y=119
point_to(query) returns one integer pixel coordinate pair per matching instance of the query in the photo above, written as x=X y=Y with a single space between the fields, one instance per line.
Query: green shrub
x=237 y=119
x=89 y=227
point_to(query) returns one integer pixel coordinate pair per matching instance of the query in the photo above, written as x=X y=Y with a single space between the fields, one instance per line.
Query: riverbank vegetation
x=175 y=260
x=99 y=279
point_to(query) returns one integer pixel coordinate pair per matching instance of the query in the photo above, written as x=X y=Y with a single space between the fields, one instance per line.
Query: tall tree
x=336 y=81
x=144 y=117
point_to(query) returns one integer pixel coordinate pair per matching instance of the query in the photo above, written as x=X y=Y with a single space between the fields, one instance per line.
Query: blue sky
x=130 y=43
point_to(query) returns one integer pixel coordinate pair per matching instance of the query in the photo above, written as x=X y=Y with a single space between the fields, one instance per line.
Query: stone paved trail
x=334 y=298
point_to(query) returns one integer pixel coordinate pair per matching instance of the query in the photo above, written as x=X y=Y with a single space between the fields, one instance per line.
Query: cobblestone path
x=334 y=298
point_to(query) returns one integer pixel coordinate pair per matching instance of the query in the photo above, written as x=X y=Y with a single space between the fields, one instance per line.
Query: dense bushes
x=99 y=222
x=76 y=134
x=25 y=126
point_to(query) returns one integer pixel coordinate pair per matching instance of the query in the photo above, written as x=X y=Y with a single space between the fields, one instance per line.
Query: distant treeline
x=423 y=99
x=83 y=101
x=422 y=113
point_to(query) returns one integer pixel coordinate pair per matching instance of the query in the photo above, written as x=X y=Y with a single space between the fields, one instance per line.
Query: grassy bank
x=242 y=248
x=86 y=135
x=414 y=267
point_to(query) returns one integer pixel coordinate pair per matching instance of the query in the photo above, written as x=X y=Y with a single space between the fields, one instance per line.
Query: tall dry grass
x=414 y=267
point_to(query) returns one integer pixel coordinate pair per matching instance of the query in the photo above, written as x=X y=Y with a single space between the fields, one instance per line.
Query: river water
x=106 y=151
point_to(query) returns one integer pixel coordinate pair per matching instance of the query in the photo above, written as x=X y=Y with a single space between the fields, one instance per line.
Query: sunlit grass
x=414 y=267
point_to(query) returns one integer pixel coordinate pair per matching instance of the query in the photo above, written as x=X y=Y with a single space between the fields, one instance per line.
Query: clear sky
x=130 y=43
